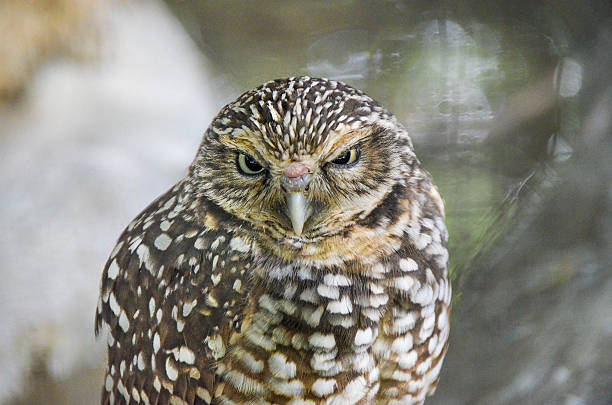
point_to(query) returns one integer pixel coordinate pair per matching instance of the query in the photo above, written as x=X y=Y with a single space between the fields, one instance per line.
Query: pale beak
x=298 y=210
x=295 y=181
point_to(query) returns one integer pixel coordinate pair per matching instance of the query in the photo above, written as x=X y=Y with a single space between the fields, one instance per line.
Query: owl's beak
x=295 y=182
x=297 y=210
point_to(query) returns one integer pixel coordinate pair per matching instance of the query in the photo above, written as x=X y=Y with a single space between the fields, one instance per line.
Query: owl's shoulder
x=178 y=241
x=173 y=281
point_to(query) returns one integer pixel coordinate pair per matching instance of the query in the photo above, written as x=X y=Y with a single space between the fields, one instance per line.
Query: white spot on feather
x=188 y=307
x=342 y=306
x=376 y=288
x=186 y=355
x=313 y=317
x=407 y=360
x=169 y=204
x=238 y=244
x=362 y=362
x=422 y=296
x=268 y=303
x=327 y=291
x=309 y=295
x=171 y=370
x=245 y=384
x=135 y=394
x=113 y=270
x=429 y=322
x=248 y=360
x=304 y=273
x=211 y=301
x=320 y=340
x=156 y=343
x=433 y=342
x=405 y=322
x=364 y=337
x=114 y=305
x=293 y=388
x=442 y=319
x=124 y=321
x=323 y=387
x=280 y=367
x=199 y=244
x=424 y=366
x=162 y=241
x=337 y=280
x=408 y=265
x=402 y=344
x=109 y=383
x=403 y=283
x=216 y=345
x=141 y=362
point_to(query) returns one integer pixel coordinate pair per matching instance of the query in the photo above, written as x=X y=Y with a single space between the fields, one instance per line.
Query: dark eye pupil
x=343 y=159
x=252 y=164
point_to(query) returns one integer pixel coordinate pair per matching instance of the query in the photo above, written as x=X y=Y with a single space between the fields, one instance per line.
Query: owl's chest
x=332 y=302
x=300 y=331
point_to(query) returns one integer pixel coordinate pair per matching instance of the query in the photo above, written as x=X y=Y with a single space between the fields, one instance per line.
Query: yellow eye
x=347 y=158
x=247 y=165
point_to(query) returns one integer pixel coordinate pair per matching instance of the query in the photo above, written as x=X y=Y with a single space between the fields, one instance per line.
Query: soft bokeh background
x=102 y=105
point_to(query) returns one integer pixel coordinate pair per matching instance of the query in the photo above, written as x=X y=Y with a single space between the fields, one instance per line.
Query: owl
x=302 y=260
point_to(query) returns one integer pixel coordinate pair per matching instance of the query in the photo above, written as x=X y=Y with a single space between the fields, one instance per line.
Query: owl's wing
x=171 y=294
x=415 y=329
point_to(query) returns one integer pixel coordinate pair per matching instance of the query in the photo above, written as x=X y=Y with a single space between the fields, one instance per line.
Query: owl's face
x=300 y=171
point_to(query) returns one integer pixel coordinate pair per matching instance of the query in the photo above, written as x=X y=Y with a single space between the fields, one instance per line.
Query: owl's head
x=301 y=162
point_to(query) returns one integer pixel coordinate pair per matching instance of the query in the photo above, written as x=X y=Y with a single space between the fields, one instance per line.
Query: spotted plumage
x=302 y=260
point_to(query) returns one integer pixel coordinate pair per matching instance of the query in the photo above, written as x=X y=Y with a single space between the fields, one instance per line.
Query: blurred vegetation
x=35 y=31
x=82 y=386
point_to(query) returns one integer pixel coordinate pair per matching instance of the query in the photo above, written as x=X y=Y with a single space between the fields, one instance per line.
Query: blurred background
x=509 y=104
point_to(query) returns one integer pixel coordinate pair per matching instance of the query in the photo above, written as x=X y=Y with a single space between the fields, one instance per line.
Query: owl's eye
x=247 y=165
x=347 y=158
